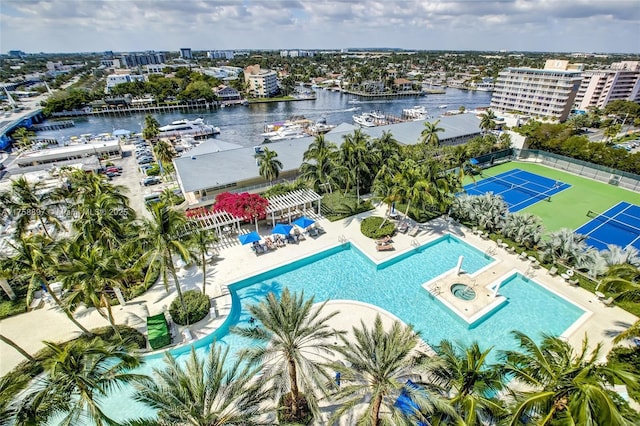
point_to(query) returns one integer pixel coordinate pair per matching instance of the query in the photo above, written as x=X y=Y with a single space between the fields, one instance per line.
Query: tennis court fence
x=583 y=168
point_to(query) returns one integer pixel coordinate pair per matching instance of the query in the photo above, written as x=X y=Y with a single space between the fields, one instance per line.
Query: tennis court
x=518 y=188
x=620 y=225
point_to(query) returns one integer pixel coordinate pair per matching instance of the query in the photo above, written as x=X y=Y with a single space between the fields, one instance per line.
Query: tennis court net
x=614 y=222
x=535 y=194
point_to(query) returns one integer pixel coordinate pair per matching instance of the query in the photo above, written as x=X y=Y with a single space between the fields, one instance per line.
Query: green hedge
x=197 y=307
x=371 y=227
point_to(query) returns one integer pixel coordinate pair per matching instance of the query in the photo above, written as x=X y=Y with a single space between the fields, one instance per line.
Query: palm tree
x=202 y=240
x=34 y=257
x=564 y=385
x=293 y=336
x=151 y=128
x=487 y=121
x=23 y=137
x=77 y=376
x=429 y=135
x=164 y=154
x=356 y=157
x=318 y=163
x=616 y=255
x=90 y=276
x=11 y=387
x=100 y=210
x=27 y=203
x=206 y=392
x=411 y=185
x=380 y=363
x=564 y=245
x=163 y=237
x=523 y=228
x=269 y=165
x=622 y=279
x=15 y=346
x=471 y=385
x=629 y=333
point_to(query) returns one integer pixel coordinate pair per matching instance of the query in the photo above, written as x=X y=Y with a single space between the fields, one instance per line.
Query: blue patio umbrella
x=304 y=222
x=251 y=237
x=281 y=228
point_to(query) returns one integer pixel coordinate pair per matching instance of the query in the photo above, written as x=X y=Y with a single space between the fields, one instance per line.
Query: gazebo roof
x=216 y=219
x=292 y=199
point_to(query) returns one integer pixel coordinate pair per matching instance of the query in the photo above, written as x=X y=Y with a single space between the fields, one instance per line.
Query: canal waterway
x=242 y=125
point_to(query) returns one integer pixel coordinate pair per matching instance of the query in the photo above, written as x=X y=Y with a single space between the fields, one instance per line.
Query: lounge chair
x=385 y=240
x=384 y=247
x=608 y=302
x=414 y=231
x=573 y=282
x=553 y=271
x=403 y=227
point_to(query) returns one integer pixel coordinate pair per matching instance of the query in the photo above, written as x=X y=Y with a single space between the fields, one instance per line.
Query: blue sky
x=517 y=25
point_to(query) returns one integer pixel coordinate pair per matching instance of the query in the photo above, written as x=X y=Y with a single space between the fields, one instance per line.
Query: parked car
x=145 y=160
x=151 y=180
x=114 y=169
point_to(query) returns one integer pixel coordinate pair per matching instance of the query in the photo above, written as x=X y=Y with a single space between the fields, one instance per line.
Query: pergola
x=220 y=220
x=291 y=204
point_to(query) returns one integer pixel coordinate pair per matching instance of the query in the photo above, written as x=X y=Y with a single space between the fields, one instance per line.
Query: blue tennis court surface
x=620 y=225
x=518 y=188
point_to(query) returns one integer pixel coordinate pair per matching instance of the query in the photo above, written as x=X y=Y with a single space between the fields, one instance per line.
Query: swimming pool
x=344 y=272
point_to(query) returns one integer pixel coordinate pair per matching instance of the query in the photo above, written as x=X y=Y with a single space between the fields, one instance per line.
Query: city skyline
x=518 y=25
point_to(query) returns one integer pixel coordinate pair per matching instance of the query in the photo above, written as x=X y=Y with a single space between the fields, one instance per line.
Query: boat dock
x=53 y=125
x=122 y=110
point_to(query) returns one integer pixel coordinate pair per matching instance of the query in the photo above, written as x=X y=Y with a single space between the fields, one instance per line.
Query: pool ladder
x=342 y=239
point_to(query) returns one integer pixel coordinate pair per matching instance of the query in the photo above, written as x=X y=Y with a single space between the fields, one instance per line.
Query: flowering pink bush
x=244 y=205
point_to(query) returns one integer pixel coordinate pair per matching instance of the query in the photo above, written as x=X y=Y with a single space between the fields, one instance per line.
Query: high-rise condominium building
x=548 y=92
x=185 y=53
x=599 y=87
x=262 y=83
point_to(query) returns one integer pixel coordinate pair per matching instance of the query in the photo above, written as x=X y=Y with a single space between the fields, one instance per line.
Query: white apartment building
x=548 y=92
x=599 y=87
x=262 y=83
x=115 y=79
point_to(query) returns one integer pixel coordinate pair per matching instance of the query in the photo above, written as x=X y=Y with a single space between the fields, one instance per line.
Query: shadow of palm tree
x=257 y=293
x=613 y=333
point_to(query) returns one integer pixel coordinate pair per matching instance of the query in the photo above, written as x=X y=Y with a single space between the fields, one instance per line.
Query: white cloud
x=120 y=25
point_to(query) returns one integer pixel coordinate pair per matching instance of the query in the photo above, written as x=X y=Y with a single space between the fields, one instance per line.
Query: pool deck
x=235 y=262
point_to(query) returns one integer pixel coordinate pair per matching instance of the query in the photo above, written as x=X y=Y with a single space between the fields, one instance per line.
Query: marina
x=244 y=125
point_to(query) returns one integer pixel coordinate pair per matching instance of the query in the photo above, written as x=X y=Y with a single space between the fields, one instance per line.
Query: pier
x=123 y=110
x=52 y=126
x=386 y=95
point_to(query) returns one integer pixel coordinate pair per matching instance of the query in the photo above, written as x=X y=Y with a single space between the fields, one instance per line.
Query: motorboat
x=284 y=132
x=195 y=128
x=365 y=119
x=416 y=113
x=369 y=119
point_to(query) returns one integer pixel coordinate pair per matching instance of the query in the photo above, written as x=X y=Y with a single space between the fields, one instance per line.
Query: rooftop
x=207 y=169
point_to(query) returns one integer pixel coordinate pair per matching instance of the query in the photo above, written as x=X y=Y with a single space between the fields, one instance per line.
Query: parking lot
x=132 y=177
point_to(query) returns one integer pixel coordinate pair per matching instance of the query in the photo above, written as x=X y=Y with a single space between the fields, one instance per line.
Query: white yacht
x=284 y=132
x=416 y=113
x=370 y=119
x=195 y=128
x=365 y=119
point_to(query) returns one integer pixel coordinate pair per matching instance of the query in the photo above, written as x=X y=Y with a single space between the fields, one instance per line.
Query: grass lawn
x=568 y=209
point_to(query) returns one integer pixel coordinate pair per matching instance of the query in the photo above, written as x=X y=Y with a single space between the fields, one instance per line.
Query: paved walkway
x=235 y=262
